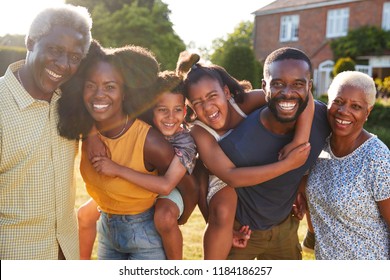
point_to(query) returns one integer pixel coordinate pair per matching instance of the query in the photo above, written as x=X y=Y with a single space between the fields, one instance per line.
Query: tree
x=241 y=36
x=367 y=40
x=110 y=5
x=12 y=40
x=139 y=22
x=240 y=62
x=236 y=54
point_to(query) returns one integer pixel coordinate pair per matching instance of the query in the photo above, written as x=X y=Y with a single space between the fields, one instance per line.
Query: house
x=310 y=25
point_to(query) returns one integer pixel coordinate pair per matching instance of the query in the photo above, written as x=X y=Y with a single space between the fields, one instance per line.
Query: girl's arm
x=219 y=164
x=252 y=100
x=163 y=184
x=157 y=152
x=303 y=128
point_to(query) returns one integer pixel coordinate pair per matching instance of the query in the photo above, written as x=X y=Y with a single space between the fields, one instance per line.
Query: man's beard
x=301 y=107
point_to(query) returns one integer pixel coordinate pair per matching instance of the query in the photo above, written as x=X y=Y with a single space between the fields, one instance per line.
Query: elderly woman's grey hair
x=354 y=79
x=68 y=15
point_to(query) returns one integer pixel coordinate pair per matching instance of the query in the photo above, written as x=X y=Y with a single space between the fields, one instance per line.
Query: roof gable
x=279 y=6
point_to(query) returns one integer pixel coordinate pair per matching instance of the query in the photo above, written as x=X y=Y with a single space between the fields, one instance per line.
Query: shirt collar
x=21 y=96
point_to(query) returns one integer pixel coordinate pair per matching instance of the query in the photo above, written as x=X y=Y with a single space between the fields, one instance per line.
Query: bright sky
x=199 y=21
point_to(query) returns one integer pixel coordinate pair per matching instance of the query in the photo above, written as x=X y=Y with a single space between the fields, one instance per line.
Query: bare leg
x=218 y=236
x=189 y=191
x=87 y=216
x=202 y=175
x=165 y=220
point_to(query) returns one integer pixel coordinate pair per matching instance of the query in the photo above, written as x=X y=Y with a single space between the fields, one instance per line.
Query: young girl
x=221 y=103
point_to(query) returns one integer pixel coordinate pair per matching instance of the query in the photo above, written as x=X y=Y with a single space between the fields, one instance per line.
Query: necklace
x=120 y=132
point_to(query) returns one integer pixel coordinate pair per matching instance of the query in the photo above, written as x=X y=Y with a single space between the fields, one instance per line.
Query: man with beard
x=267 y=207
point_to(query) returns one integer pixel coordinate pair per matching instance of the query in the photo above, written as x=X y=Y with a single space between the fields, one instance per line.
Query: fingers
x=96 y=159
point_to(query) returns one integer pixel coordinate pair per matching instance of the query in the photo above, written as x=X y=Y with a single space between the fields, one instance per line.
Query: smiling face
x=103 y=94
x=287 y=88
x=348 y=112
x=54 y=58
x=169 y=113
x=210 y=102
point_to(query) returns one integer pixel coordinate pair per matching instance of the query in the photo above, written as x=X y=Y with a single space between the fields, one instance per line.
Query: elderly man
x=37 y=194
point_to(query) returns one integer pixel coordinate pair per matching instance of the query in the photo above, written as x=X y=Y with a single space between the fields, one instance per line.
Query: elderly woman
x=348 y=189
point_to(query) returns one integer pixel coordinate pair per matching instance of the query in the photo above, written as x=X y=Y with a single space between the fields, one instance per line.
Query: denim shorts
x=129 y=237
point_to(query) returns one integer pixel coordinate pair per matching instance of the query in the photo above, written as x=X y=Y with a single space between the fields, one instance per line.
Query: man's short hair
x=67 y=15
x=283 y=54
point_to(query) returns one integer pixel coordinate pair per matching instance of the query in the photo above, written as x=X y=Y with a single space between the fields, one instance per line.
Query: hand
x=298 y=156
x=241 y=237
x=95 y=147
x=105 y=166
x=286 y=150
x=299 y=206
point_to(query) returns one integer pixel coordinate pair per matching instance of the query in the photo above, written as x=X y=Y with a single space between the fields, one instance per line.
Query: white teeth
x=343 y=122
x=100 y=106
x=213 y=115
x=169 y=124
x=53 y=74
x=287 y=105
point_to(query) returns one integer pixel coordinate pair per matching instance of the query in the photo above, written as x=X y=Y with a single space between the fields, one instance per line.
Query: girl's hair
x=75 y=17
x=140 y=71
x=172 y=82
x=354 y=79
x=193 y=71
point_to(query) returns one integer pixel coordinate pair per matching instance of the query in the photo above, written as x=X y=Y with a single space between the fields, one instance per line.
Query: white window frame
x=337 y=23
x=289 y=26
x=386 y=16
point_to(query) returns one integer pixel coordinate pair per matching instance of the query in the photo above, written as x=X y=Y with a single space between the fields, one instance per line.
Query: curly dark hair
x=168 y=81
x=139 y=68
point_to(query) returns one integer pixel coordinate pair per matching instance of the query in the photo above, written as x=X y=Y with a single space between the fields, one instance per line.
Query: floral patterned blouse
x=342 y=193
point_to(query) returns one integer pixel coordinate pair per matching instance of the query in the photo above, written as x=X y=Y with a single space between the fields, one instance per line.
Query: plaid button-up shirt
x=37 y=188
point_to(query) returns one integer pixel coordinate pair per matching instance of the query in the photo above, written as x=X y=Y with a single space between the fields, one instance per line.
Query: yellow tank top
x=116 y=195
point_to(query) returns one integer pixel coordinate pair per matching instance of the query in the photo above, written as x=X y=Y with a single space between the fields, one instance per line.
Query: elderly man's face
x=54 y=58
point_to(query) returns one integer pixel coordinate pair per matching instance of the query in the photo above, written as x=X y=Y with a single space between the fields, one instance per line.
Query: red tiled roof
x=291 y=4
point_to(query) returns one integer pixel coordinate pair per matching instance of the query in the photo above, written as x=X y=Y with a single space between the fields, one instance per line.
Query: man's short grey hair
x=354 y=79
x=68 y=15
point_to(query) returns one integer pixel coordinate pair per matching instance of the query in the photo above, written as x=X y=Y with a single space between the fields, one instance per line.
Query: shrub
x=9 y=55
x=343 y=64
x=383 y=86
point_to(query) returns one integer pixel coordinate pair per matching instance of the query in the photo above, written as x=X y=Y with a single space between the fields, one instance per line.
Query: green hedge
x=9 y=55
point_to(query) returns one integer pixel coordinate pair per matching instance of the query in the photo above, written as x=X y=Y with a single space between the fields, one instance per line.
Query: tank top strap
x=237 y=108
x=209 y=129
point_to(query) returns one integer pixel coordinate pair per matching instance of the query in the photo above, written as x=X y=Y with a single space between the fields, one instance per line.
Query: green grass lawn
x=192 y=230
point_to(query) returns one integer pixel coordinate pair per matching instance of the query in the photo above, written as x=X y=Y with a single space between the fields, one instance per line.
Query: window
x=337 y=23
x=386 y=16
x=289 y=28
